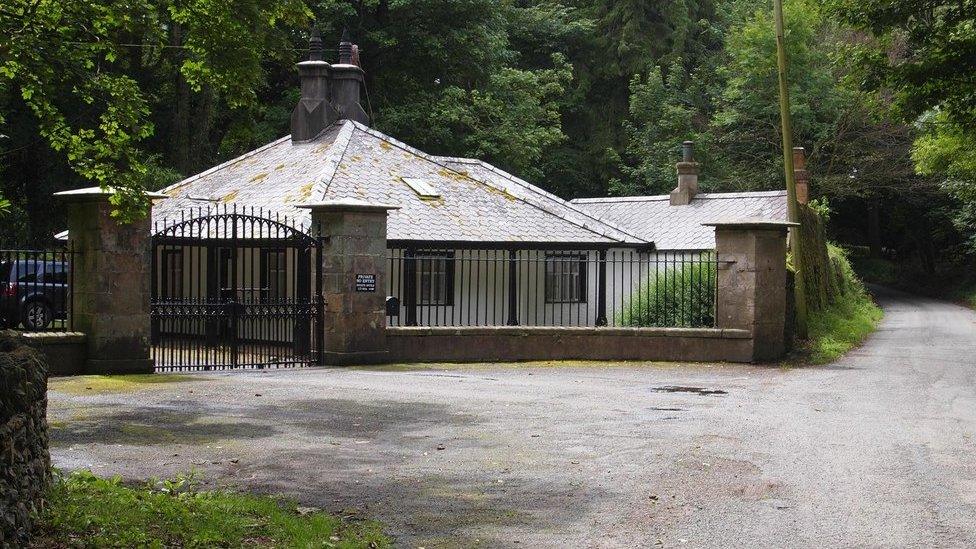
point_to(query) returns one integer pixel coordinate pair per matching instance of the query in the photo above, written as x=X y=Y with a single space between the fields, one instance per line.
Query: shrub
x=678 y=295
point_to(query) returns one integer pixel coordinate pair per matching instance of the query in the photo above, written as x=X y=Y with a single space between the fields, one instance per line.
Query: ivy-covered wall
x=824 y=276
x=25 y=464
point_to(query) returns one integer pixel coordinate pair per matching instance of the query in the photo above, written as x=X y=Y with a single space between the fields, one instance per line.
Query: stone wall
x=64 y=352
x=519 y=343
x=25 y=465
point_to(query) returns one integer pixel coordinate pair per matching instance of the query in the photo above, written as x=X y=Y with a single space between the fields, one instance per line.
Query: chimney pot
x=345 y=48
x=315 y=46
x=313 y=113
x=687 y=176
x=347 y=82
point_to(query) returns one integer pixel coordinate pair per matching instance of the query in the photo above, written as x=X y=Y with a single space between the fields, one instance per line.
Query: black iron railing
x=235 y=288
x=37 y=288
x=430 y=286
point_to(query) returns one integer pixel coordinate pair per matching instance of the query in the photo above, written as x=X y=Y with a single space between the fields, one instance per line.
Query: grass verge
x=87 y=511
x=841 y=327
x=844 y=322
x=966 y=295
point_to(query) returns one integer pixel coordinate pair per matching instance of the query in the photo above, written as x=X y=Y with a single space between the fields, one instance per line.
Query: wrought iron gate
x=235 y=290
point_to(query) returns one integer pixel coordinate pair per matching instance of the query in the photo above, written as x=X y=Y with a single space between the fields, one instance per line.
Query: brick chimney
x=347 y=82
x=313 y=113
x=801 y=175
x=688 y=171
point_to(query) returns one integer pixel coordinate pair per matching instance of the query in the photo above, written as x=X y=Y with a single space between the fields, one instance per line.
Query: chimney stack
x=688 y=171
x=347 y=82
x=801 y=175
x=313 y=113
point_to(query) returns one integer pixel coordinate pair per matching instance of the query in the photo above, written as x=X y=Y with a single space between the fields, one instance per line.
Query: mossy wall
x=25 y=464
x=827 y=273
x=817 y=276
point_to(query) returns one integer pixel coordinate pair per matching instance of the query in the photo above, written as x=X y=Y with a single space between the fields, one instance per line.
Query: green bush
x=679 y=295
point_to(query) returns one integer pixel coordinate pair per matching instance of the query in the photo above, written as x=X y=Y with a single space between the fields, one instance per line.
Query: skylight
x=421 y=187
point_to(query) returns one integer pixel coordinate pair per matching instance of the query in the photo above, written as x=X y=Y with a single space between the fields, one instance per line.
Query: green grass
x=87 y=511
x=841 y=327
x=846 y=321
x=966 y=295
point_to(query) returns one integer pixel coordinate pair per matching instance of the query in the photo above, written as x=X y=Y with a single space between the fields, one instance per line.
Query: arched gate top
x=228 y=224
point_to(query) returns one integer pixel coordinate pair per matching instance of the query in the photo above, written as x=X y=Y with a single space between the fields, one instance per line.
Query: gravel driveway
x=877 y=450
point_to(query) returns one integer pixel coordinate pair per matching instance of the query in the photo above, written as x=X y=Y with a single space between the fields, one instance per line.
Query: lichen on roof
x=350 y=160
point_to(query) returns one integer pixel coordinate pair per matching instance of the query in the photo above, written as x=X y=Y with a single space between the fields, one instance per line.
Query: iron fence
x=235 y=288
x=37 y=288
x=495 y=287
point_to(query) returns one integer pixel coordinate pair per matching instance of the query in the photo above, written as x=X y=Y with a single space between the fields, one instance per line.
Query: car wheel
x=37 y=315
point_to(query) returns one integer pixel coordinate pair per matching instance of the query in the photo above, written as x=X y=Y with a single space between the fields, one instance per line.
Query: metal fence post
x=601 y=288
x=410 y=285
x=512 y=288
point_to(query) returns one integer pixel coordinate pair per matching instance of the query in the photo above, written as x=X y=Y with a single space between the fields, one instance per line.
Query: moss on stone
x=88 y=385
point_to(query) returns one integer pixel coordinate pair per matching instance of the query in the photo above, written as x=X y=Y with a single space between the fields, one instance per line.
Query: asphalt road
x=877 y=450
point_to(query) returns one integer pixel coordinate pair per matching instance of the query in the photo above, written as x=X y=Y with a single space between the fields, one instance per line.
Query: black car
x=33 y=293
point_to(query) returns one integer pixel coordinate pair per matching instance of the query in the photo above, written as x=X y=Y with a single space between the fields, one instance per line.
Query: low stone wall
x=25 y=465
x=65 y=352
x=519 y=343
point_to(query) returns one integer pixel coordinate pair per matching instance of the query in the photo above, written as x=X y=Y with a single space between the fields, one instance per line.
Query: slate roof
x=350 y=161
x=680 y=227
x=511 y=184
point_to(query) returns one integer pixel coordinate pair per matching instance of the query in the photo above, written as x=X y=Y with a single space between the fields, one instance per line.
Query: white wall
x=481 y=287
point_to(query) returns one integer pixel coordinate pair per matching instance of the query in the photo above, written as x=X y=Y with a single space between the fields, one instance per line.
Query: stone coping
x=54 y=337
x=707 y=333
x=750 y=223
x=348 y=205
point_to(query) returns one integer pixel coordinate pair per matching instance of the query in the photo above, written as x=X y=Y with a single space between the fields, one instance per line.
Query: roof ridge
x=334 y=158
x=223 y=165
x=540 y=191
x=441 y=161
x=658 y=197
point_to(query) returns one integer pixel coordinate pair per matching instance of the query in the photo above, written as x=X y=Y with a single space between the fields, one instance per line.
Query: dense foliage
x=584 y=97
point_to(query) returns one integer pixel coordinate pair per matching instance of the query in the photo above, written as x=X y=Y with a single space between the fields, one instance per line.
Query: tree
x=746 y=124
x=945 y=150
x=661 y=117
x=923 y=56
x=924 y=53
x=443 y=75
x=73 y=76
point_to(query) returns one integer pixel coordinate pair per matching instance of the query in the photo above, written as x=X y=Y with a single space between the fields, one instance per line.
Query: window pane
x=434 y=286
x=564 y=280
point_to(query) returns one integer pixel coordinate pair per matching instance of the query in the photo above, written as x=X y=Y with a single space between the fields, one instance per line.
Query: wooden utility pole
x=787 y=126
